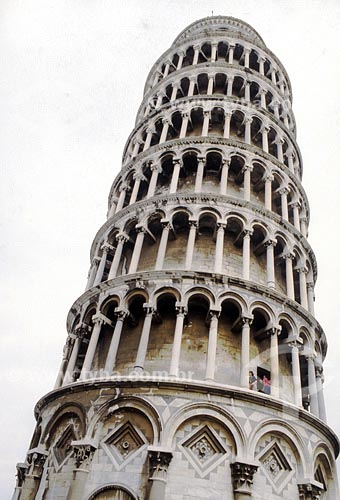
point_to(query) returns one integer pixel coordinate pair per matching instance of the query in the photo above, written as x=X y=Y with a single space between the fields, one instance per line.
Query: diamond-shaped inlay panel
x=276 y=466
x=62 y=448
x=124 y=443
x=204 y=449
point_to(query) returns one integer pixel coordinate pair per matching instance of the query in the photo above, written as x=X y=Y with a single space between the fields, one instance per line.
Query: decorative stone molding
x=159 y=461
x=83 y=452
x=243 y=476
x=310 y=491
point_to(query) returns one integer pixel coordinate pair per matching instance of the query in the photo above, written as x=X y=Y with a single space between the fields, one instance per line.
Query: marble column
x=310 y=297
x=184 y=126
x=226 y=128
x=67 y=350
x=162 y=245
x=247 y=170
x=210 y=88
x=268 y=191
x=155 y=169
x=91 y=348
x=199 y=174
x=144 y=338
x=288 y=257
x=270 y=244
x=123 y=190
x=303 y=287
x=224 y=176
x=138 y=177
x=296 y=215
x=137 y=249
x=110 y=363
x=197 y=49
x=93 y=272
x=212 y=345
x=263 y=93
x=314 y=404
x=219 y=248
x=230 y=81
x=159 y=461
x=294 y=345
x=319 y=388
x=206 y=119
x=284 y=203
x=190 y=244
x=274 y=361
x=166 y=123
x=245 y=351
x=242 y=477
x=246 y=254
x=101 y=268
x=177 y=342
x=265 y=145
x=121 y=239
x=231 y=53
x=247 y=130
x=177 y=163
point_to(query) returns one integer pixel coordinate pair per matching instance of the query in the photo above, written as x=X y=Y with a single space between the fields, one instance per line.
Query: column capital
x=166 y=224
x=140 y=228
x=232 y=45
x=196 y=46
x=295 y=204
x=106 y=247
x=121 y=313
x=178 y=161
x=206 y=112
x=248 y=166
x=82 y=452
x=310 y=285
x=268 y=177
x=36 y=458
x=284 y=190
x=270 y=242
x=149 y=309
x=247 y=233
x=221 y=226
x=226 y=161
x=154 y=166
x=211 y=75
x=247 y=320
x=230 y=78
x=302 y=269
x=159 y=461
x=193 y=223
x=22 y=469
x=214 y=313
x=214 y=44
x=185 y=114
x=122 y=237
x=242 y=476
x=248 y=119
x=193 y=78
x=181 y=309
x=97 y=319
x=288 y=255
x=274 y=330
x=310 y=491
x=263 y=91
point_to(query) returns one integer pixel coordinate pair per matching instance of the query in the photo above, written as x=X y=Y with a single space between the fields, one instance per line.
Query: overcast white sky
x=72 y=76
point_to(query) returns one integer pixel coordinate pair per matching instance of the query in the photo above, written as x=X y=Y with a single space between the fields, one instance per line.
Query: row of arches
x=224 y=51
x=136 y=422
x=217 y=83
x=206 y=241
x=214 y=120
x=214 y=172
x=193 y=338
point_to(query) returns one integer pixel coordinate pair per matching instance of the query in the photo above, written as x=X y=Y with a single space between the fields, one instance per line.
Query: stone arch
x=233 y=241
x=131 y=331
x=324 y=471
x=276 y=445
x=207 y=410
x=113 y=491
x=119 y=403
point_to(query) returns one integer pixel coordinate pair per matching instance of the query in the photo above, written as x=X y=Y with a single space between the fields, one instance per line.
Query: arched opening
x=216 y=124
x=212 y=173
x=259 y=350
x=130 y=337
x=237 y=126
x=285 y=361
x=106 y=332
x=177 y=244
x=220 y=84
x=161 y=336
x=187 y=175
x=257 y=190
x=86 y=330
x=195 y=123
x=280 y=265
x=174 y=126
x=258 y=258
x=235 y=176
x=222 y=51
x=165 y=175
x=202 y=84
x=151 y=240
x=204 y=252
x=195 y=338
x=233 y=251
x=228 y=344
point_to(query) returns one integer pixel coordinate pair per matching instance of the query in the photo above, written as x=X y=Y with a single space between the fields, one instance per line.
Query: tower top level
x=219 y=25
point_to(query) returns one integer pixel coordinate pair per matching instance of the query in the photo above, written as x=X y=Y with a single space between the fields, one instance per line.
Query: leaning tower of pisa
x=193 y=363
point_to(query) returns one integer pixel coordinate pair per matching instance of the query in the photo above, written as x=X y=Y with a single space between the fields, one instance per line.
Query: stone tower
x=193 y=363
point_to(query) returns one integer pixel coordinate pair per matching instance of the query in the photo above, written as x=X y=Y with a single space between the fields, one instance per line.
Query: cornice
x=233 y=394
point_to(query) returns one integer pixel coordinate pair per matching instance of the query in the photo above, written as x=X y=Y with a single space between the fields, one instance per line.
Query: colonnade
x=217 y=83
x=315 y=377
x=217 y=120
x=230 y=52
x=288 y=198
